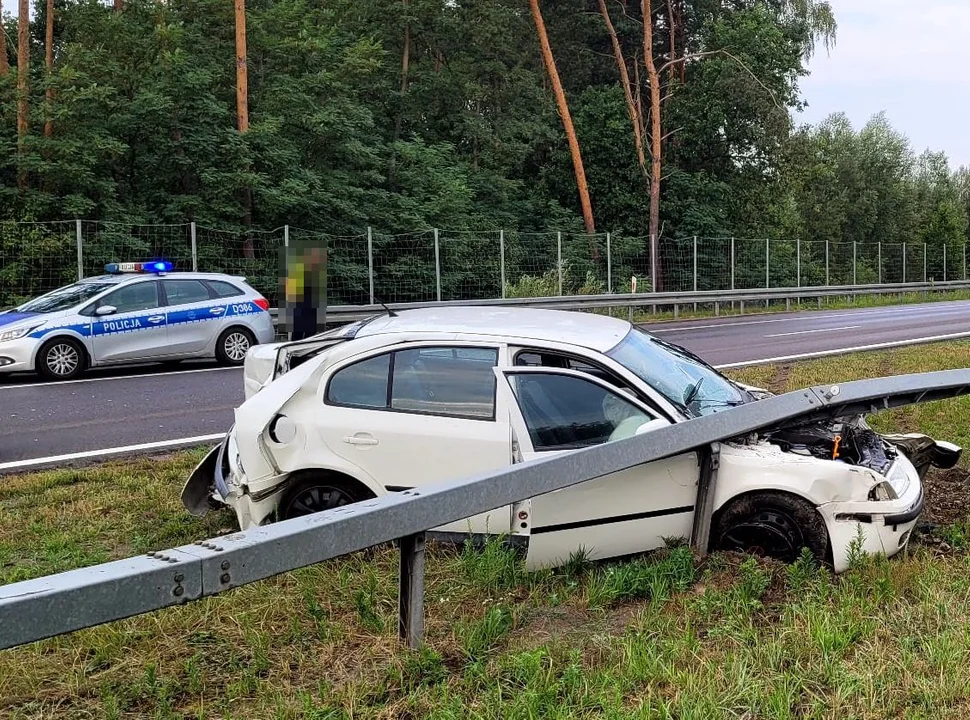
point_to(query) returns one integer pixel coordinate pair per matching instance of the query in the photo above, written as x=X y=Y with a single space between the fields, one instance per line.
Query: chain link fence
x=436 y=264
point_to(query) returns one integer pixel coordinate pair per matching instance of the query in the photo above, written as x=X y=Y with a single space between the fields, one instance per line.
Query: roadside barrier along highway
x=56 y=604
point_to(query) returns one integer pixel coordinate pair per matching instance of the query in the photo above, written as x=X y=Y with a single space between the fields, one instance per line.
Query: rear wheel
x=61 y=359
x=771 y=524
x=232 y=346
x=317 y=492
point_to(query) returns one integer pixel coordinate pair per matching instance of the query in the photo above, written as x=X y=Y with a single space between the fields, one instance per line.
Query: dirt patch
x=947 y=496
x=778 y=384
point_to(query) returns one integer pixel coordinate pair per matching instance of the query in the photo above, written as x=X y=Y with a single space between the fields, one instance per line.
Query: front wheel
x=232 y=346
x=61 y=359
x=771 y=524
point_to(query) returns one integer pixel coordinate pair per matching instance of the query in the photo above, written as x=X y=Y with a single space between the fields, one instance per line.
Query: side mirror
x=106 y=310
x=651 y=425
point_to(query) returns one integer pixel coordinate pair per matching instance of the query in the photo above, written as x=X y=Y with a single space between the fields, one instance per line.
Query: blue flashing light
x=156 y=266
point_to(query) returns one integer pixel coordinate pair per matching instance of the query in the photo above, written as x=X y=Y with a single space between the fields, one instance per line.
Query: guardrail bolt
x=225 y=565
x=224 y=578
x=179 y=577
x=178 y=591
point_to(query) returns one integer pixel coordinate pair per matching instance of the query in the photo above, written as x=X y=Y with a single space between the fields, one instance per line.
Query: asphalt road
x=143 y=405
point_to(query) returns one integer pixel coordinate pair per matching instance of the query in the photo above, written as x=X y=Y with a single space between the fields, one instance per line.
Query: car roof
x=598 y=332
x=175 y=275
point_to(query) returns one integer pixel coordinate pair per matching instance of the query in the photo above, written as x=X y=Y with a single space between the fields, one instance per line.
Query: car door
x=128 y=323
x=419 y=415
x=557 y=411
x=194 y=318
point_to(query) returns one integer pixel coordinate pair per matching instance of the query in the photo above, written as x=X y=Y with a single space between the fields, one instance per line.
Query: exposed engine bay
x=852 y=441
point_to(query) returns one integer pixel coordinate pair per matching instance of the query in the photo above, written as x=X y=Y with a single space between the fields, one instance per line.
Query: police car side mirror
x=106 y=310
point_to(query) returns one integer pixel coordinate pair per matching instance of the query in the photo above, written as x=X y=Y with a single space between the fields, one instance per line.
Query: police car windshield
x=64 y=298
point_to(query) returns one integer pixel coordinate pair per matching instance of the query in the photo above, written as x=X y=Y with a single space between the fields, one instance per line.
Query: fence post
x=437 y=263
x=654 y=263
x=370 y=262
x=609 y=265
x=879 y=260
x=559 y=258
x=944 y=262
x=80 y=252
x=924 y=262
x=286 y=236
x=964 y=261
x=855 y=276
x=695 y=270
x=904 y=262
x=767 y=264
x=501 y=258
x=195 y=249
x=798 y=262
x=732 y=269
x=411 y=591
x=827 y=283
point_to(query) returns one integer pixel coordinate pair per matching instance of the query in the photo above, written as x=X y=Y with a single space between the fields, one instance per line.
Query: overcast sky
x=910 y=58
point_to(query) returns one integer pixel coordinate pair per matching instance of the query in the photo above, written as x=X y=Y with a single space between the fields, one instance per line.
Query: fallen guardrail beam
x=55 y=604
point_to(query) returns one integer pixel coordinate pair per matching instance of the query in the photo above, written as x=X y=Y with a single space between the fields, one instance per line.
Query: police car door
x=194 y=320
x=128 y=323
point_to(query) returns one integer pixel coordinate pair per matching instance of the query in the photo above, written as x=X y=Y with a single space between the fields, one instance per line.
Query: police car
x=136 y=312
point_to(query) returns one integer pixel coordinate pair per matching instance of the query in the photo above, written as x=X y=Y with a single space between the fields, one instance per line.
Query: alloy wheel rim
x=236 y=346
x=316 y=499
x=63 y=359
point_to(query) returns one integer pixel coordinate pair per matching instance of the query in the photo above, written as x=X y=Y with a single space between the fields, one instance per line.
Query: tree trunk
x=242 y=114
x=631 y=105
x=119 y=4
x=656 y=159
x=566 y=118
x=49 y=63
x=23 y=85
x=4 y=61
x=673 y=41
x=406 y=52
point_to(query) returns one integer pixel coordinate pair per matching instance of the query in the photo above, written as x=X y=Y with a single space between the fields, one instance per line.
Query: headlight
x=882 y=491
x=18 y=333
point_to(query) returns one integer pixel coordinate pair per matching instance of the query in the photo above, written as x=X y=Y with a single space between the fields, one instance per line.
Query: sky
x=908 y=58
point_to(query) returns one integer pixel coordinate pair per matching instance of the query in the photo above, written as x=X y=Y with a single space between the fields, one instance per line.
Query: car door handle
x=361 y=439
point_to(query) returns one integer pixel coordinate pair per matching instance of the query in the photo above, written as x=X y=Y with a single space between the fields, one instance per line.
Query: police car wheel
x=61 y=359
x=232 y=346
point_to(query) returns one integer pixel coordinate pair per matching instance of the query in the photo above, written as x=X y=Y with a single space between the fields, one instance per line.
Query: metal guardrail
x=44 y=607
x=351 y=313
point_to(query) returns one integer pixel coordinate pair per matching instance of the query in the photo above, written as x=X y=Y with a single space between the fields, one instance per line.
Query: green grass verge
x=663 y=636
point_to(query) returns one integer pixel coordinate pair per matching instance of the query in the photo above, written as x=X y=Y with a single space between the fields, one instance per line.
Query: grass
x=663 y=636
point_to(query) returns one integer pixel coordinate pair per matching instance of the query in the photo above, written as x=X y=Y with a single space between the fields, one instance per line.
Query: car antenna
x=390 y=313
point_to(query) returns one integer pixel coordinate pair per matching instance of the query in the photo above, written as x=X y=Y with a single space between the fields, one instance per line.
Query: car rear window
x=221 y=289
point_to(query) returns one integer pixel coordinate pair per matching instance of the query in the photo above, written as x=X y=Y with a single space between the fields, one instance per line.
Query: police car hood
x=14 y=317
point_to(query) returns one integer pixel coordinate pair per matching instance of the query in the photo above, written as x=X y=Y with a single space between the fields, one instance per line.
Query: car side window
x=221 y=289
x=363 y=384
x=183 y=292
x=535 y=358
x=132 y=298
x=456 y=381
x=563 y=412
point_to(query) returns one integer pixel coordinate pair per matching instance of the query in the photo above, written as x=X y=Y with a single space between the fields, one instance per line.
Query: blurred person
x=305 y=290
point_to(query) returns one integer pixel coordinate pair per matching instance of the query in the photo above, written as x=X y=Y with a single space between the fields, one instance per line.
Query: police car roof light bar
x=156 y=266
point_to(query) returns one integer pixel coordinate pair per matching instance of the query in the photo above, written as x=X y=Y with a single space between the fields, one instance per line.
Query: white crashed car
x=421 y=396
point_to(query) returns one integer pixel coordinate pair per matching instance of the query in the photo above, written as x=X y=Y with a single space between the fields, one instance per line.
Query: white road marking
x=23 y=464
x=820 y=330
x=814 y=315
x=117 y=377
x=843 y=351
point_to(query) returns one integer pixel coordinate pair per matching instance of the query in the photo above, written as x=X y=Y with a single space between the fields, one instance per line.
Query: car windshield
x=64 y=298
x=680 y=376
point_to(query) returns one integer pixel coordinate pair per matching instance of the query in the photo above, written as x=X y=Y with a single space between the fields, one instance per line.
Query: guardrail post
x=437 y=263
x=411 y=591
x=195 y=251
x=559 y=258
x=700 y=535
x=80 y=252
x=609 y=265
x=370 y=262
x=501 y=256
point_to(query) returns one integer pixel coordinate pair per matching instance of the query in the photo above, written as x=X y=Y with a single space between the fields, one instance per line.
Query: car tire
x=771 y=524
x=233 y=344
x=317 y=492
x=61 y=358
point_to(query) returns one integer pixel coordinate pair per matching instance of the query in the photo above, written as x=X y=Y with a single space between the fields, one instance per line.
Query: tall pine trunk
x=653 y=80
x=567 y=120
x=49 y=63
x=242 y=113
x=4 y=61
x=23 y=87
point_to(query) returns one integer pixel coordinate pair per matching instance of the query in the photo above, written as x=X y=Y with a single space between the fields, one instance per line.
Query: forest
x=650 y=119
